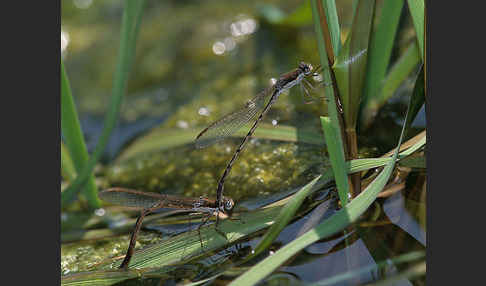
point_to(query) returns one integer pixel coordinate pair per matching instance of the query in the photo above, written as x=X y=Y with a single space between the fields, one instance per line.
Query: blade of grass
x=284 y=217
x=418 y=97
x=352 y=62
x=338 y=163
x=299 y=17
x=73 y=137
x=98 y=278
x=381 y=45
x=161 y=139
x=68 y=171
x=417 y=10
x=344 y=217
x=330 y=91
x=330 y=11
x=130 y=26
x=410 y=146
x=414 y=162
x=350 y=71
x=395 y=77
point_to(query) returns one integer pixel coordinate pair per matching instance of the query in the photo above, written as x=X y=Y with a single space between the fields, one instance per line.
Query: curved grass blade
x=418 y=98
x=381 y=45
x=417 y=10
x=323 y=43
x=68 y=171
x=98 y=278
x=398 y=73
x=301 y=16
x=159 y=139
x=130 y=26
x=350 y=73
x=329 y=7
x=338 y=163
x=73 y=137
x=285 y=216
x=414 y=162
x=350 y=66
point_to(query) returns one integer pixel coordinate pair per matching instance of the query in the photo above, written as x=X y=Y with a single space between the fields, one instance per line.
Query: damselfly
x=149 y=202
x=232 y=122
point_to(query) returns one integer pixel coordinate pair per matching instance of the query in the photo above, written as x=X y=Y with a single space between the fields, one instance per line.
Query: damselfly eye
x=228 y=204
x=305 y=68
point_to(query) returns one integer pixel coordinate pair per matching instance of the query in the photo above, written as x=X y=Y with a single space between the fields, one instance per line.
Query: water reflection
x=64 y=41
x=182 y=124
x=243 y=27
x=82 y=4
x=219 y=48
x=238 y=30
x=203 y=111
x=394 y=208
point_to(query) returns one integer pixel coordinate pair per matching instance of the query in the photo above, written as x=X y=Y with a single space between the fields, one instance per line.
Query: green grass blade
x=350 y=66
x=395 y=77
x=339 y=148
x=333 y=24
x=285 y=216
x=381 y=45
x=130 y=27
x=68 y=171
x=338 y=162
x=73 y=137
x=359 y=165
x=420 y=143
x=418 y=98
x=162 y=139
x=416 y=162
x=299 y=17
x=417 y=10
x=328 y=90
x=98 y=278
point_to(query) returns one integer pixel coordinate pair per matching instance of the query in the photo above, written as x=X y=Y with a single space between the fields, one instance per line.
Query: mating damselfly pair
x=221 y=207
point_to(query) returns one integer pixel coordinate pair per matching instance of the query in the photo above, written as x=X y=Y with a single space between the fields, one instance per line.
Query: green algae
x=264 y=167
x=85 y=255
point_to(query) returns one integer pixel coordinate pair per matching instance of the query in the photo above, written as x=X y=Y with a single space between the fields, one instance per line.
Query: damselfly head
x=305 y=68
x=228 y=205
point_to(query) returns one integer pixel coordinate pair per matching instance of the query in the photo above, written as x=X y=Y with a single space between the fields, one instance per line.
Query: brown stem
x=133 y=239
x=325 y=32
x=355 y=178
x=349 y=139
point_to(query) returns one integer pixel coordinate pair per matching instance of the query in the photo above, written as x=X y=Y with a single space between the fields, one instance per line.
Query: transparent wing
x=232 y=122
x=129 y=198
